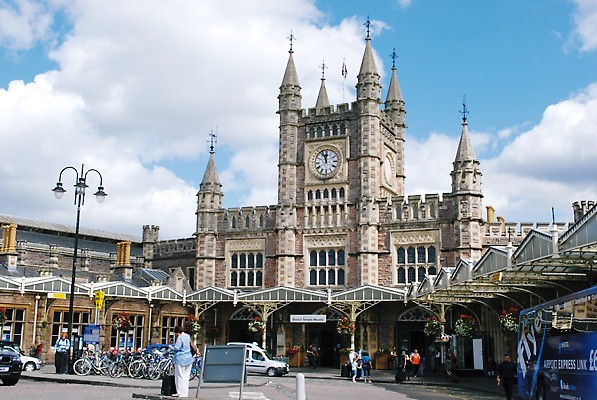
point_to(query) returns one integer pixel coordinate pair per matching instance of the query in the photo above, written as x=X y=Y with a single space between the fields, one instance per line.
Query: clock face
x=388 y=169
x=326 y=161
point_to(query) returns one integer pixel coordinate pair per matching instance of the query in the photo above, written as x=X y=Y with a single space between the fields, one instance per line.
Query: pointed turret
x=368 y=64
x=368 y=80
x=290 y=76
x=209 y=196
x=465 y=150
x=394 y=105
x=466 y=175
x=322 y=97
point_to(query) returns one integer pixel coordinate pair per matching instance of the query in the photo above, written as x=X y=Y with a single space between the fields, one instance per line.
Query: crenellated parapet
x=170 y=248
x=247 y=218
x=412 y=208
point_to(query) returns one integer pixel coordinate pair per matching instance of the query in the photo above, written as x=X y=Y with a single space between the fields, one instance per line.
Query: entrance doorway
x=328 y=343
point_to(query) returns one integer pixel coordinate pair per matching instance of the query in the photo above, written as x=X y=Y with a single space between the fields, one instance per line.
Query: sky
x=133 y=89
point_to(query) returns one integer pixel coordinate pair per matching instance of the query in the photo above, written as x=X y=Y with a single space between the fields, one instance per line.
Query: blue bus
x=557 y=348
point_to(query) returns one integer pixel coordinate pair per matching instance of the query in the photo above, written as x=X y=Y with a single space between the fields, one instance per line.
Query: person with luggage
x=183 y=361
x=405 y=367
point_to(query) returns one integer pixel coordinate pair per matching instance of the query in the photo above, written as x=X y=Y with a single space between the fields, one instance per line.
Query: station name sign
x=308 y=319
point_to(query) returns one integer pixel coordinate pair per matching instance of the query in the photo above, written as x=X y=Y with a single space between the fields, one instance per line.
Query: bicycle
x=92 y=362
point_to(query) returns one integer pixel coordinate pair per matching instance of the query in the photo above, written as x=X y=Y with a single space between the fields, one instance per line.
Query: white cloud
x=23 y=22
x=585 y=19
x=554 y=162
x=140 y=83
x=404 y=3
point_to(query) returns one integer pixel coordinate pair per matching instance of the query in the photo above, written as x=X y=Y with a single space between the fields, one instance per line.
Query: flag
x=344 y=70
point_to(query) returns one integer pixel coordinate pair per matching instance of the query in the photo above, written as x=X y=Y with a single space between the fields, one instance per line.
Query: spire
x=368 y=79
x=466 y=175
x=322 y=98
x=394 y=93
x=465 y=148
x=210 y=177
x=368 y=63
x=290 y=76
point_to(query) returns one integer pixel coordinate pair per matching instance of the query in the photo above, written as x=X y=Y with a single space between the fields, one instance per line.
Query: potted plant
x=433 y=327
x=344 y=356
x=509 y=320
x=191 y=324
x=213 y=331
x=465 y=326
x=381 y=358
x=121 y=322
x=295 y=355
x=345 y=326
x=256 y=325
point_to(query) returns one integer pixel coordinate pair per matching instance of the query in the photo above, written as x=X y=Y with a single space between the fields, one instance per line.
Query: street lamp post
x=100 y=195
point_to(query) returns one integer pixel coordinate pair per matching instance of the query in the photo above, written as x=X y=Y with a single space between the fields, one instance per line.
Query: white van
x=259 y=361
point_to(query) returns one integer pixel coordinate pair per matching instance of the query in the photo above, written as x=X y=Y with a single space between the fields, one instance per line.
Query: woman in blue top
x=183 y=360
x=366 y=359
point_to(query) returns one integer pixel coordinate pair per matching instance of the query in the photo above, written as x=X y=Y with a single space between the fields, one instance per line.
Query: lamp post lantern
x=100 y=195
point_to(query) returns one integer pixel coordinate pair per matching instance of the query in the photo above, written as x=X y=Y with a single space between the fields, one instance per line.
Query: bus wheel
x=540 y=391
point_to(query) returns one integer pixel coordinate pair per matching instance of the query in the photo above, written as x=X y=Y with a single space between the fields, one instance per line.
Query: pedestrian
x=394 y=358
x=312 y=357
x=62 y=348
x=415 y=359
x=183 y=361
x=437 y=356
x=366 y=365
x=352 y=360
x=406 y=366
x=506 y=373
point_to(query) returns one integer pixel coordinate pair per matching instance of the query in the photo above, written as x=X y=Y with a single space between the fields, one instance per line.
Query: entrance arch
x=409 y=331
x=326 y=338
x=238 y=330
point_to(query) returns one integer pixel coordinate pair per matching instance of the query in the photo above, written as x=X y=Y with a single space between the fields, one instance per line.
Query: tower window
x=249 y=270
x=326 y=267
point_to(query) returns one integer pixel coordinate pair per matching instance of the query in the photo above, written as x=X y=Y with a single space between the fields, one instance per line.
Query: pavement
x=477 y=382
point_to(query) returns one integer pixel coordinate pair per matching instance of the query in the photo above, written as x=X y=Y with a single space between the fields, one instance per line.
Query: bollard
x=300 y=387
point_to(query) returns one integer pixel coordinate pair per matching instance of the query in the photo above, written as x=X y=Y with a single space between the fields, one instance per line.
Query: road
x=317 y=389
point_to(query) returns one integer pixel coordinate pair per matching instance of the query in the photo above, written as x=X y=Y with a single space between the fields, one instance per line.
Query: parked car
x=10 y=366
x=259 y=360
x=29 y=363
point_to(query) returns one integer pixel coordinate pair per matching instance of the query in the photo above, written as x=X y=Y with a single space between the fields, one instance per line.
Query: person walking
x=62 y=348
x=183 y=361
x=415 y=360
x=406 y=366
x=506 y=373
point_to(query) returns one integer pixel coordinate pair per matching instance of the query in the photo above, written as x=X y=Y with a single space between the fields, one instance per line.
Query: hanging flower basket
x=213 y=331
x=121 y=322
x=191 y=324
x=465 y=326
x=2 y=315
x=433 y=327
x=256 y=325
x=345 y=326
x=509 y=319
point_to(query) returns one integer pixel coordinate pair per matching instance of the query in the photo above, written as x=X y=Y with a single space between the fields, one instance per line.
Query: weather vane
x=212 y=141
x=464 y=111
x=323 y=68
x=368 y=24
x=394 y=57
x=291 y=38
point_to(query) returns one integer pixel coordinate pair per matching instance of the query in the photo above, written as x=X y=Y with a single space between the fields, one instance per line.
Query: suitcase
x=168 y=385
x=400 y=375
x=345 y=371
